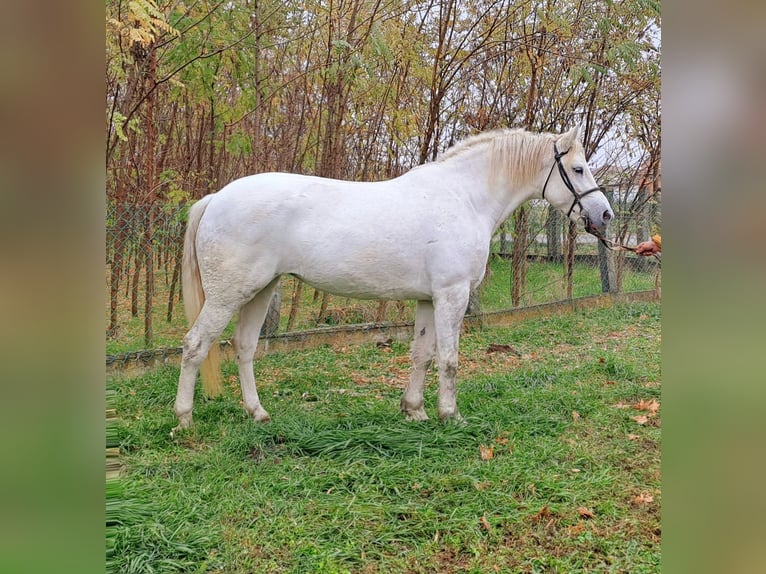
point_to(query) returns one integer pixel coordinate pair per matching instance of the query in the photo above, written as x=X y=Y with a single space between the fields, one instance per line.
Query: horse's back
x=368 y=240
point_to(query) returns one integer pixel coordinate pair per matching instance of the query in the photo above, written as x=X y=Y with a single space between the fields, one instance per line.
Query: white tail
x=194 y=298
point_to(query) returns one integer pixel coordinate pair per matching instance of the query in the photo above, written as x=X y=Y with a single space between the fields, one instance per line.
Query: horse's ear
x=566 y=139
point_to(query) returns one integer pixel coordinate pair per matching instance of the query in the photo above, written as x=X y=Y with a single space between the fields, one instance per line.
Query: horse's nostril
x=607 y=216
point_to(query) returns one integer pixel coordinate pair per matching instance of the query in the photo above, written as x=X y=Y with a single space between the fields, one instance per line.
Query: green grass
x=339 y=482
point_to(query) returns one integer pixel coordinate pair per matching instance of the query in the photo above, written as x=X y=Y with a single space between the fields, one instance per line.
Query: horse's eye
x=578 y=170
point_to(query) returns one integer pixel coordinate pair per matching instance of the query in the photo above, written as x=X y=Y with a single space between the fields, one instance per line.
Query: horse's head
x=573 y=190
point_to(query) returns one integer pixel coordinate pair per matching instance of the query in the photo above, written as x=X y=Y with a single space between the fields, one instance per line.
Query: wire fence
x=537 y=257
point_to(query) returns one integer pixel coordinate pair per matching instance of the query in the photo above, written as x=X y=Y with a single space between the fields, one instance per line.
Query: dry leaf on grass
x=651 y=406
x=487 y=452
x=585 y=512
x=641 y=419
x=642 y=498
x=542 y=514
x=575 y=529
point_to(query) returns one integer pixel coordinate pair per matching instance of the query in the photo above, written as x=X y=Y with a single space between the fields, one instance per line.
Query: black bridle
x=565 y=178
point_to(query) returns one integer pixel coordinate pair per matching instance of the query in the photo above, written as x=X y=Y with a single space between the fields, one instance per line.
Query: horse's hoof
x=261 y=416
x=184 y=422
x=415 y=415
x=453 y=416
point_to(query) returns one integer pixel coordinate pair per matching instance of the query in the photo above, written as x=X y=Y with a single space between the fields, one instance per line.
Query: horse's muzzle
x=597 y=225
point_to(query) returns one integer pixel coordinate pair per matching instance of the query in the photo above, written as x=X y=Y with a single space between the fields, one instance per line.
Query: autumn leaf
x=641 y=419
x=575 y=416
x=585 y=512
x=542 y=514
x=496 y=348
x=642 y=498
x=487 y=452
x=633 y=436
x=651 y=406
x=575 y=529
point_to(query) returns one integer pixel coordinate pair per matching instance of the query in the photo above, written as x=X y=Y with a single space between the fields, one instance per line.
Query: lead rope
x=614 y=246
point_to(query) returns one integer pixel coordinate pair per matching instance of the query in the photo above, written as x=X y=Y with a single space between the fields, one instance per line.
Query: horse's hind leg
x=422 y=353
x=208 y=326
x=251 y=318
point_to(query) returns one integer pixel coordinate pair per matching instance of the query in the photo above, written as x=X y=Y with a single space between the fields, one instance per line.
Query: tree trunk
x=519 y=258
x=570 y=258
x=149 y=166
x=295 y=304
x=553 y=233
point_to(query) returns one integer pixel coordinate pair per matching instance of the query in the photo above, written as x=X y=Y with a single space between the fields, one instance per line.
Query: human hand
x=647 y=248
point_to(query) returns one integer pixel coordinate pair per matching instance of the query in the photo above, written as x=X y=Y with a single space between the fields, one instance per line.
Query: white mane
x=515 y=154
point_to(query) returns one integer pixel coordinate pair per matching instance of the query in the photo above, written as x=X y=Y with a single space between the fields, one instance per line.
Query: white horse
x=424 y=235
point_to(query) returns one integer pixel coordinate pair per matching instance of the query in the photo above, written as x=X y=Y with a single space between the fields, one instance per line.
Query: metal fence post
x=606 y=258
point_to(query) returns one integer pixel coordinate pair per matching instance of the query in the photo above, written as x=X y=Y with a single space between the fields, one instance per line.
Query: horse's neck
x=489 y=196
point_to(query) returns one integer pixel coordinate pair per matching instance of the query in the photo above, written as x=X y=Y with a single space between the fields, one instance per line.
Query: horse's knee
x=449 y=368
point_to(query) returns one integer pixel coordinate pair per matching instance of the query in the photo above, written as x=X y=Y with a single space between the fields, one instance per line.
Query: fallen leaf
x=495 y=348
x=633 y=436
x=575 y=529
x=575 y=416
x=651 y=406
x=641 y=419
x=585 y=512
x=575 y=470
x=541 y=514
x=487 y=452
x=642 y=498
x=481 y=485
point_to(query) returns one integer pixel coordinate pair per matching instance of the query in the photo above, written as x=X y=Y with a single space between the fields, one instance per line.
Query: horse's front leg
x=422 y=353
x=449 y=308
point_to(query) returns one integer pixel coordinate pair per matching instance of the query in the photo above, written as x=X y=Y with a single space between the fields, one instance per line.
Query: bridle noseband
x=567 y=182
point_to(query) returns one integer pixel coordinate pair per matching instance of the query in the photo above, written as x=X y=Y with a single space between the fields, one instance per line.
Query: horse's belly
x=362 y=282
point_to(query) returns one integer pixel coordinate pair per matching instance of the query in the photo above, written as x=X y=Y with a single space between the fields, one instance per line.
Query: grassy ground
x=556 y=470
x=545 y=283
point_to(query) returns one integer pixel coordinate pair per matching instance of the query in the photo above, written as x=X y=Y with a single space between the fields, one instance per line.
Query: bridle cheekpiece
x=567 y=182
